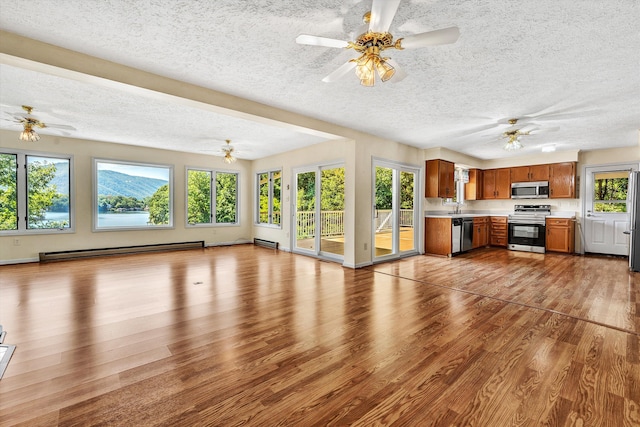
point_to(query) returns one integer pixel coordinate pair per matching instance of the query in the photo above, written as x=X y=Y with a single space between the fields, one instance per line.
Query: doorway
x=318 y=212
x=606 y=209
x=395 y=211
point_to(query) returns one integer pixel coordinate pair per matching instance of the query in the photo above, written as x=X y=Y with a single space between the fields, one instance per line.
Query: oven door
x=527 y=234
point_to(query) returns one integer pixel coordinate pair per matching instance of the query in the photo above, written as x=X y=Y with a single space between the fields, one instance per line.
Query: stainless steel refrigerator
x=634 y=223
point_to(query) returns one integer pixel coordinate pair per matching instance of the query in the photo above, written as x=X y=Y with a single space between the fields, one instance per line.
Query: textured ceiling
x=572 y=67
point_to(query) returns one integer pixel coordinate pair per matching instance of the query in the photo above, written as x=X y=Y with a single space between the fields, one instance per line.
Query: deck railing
x=332 y=222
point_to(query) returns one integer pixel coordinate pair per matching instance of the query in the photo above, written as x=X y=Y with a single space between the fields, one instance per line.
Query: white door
x=395 y=210
x=606 y=209
x=318 y=211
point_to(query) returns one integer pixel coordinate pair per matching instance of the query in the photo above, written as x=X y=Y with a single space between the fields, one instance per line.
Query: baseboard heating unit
x=87 y=253
x=265 y=243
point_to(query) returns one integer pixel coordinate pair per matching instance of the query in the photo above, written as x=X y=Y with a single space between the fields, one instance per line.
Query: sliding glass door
x=319 y=211
x=395 y=210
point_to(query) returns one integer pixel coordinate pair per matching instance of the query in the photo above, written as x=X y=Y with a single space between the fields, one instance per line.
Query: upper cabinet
x=530 y=173
x=440 y=175
x=562 y=180
x=496 y=184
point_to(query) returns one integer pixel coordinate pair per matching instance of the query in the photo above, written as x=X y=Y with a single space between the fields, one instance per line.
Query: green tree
x=8 y=195
x=384 y=195
x=332 y=190
x=40 y=192
x=306 y=196
x=199 y=197
x=226 y=196
x=159 y=206
x=612 y=191
x=406 y=190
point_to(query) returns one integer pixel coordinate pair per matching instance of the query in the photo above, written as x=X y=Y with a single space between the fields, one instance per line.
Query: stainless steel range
x=527 y=230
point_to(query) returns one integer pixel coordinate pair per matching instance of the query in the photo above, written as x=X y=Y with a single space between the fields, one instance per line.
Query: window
x=35 y=193
x=269 y=186
x=461 y=177
x=208 y=204
x=610 y=191
x=132 y=195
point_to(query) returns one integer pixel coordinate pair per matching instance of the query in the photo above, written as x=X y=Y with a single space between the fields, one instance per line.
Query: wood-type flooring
x=251 y=336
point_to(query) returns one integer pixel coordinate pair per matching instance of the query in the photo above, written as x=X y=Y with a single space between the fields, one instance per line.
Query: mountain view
x=113 y=183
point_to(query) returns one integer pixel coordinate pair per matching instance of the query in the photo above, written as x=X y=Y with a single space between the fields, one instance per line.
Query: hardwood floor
x=251 y=336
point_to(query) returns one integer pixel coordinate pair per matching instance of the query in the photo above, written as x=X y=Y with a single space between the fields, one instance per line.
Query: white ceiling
x=564 y=64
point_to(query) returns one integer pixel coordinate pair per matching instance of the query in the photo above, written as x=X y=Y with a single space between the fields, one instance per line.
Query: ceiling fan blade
x=320 y=41
x=342 y=71
x=400 y=74
x=382 y=13
x=57 y=126
x=431 y=38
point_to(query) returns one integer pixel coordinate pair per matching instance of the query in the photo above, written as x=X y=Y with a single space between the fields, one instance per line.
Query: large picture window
x=212 y=197
x=35 y=193
x=269 y=185
x=132 y=195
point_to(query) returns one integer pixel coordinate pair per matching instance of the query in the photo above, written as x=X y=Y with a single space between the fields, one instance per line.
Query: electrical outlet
x=16 y=242
x=365 y=246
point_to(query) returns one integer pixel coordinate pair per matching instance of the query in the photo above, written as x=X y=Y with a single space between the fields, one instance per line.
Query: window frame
x=94 y=208
x=213 y=173
x=270 y=223
x=22 y=193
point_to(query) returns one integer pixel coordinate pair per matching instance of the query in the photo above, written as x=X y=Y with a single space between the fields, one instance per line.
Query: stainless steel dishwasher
x=467 y=234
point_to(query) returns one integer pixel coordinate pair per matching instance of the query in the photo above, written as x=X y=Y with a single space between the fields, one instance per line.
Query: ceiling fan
x=228 y=152
x=29 y=122
x=514 y=133
x=371 y=43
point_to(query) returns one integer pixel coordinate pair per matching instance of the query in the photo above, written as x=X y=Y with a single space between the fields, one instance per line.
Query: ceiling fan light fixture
x=228 y=149
x=513 y=144
x=385 y=70
x=228 y=158
x=370 y=63
x=29 y=135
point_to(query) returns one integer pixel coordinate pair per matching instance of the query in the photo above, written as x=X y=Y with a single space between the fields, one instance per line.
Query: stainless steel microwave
x=530 y=190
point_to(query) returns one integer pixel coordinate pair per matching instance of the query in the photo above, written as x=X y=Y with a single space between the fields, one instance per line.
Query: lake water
x=120 y=219
x=123 y=219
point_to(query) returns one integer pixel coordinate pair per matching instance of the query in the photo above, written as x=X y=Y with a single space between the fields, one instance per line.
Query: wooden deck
x=251 y=336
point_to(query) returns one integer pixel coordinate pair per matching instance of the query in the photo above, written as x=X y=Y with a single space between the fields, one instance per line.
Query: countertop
x=444 y=214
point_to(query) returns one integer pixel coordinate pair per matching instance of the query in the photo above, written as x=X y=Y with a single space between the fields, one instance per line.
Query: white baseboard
x=355 y=266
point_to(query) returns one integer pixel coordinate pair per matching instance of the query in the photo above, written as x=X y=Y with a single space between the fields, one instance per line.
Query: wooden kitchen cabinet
x=439 y=176
x=437 y=236
x=496 y=184
x=530 y=173
x=562 y=180
x=473 y=188
x=498 y=231
x=560 y=235
x=480 y=232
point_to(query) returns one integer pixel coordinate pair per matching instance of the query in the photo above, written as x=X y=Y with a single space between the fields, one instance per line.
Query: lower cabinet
x=498 y=233
x=437 y=236
x=560 y=235
x=480 y=232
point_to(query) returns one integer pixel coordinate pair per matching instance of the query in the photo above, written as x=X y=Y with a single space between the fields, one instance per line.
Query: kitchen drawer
x=499 y=220
x=480 y=220
x=498 y=240
x=560 y=222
